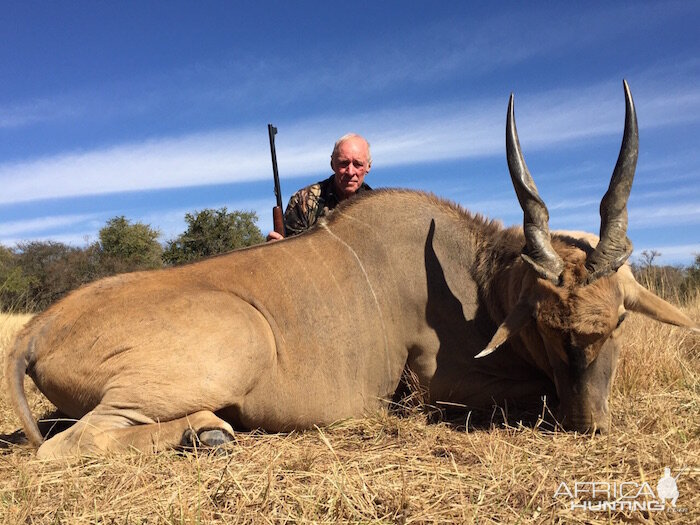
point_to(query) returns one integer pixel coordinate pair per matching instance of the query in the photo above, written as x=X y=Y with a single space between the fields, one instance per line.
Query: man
x=350 y=161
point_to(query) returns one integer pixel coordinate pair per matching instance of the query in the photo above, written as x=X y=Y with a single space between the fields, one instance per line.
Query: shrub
x=211 y=232
x=47 y=269
x=14 y=284
x=673 y=283
x=35 y=274
x=127 y=247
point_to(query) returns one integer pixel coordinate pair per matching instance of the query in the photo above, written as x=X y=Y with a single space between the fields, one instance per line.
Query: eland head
x=577 y=292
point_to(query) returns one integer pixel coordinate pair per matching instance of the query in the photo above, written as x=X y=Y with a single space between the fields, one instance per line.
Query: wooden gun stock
x=278 y=220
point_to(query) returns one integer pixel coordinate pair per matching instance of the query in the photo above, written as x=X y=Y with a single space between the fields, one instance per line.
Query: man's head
x=351 y=161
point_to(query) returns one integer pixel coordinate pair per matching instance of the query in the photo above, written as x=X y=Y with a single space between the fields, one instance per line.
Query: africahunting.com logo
x=601 y=496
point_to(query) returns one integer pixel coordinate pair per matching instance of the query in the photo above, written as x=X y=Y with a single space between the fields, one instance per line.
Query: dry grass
x=386 y=468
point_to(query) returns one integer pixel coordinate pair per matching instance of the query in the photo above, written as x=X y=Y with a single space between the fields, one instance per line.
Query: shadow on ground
x=410 y=400
x=49 y=425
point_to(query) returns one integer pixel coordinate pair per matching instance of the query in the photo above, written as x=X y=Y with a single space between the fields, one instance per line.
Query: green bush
x=127 y=247
x=35 y=274
x=211 y=232
x=47 y=270
x=14 y=284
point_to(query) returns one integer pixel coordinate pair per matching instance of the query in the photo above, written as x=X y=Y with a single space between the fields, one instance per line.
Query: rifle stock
x=278 y=220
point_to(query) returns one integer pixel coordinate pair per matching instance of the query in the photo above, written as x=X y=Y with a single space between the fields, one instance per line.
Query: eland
x=263 y=338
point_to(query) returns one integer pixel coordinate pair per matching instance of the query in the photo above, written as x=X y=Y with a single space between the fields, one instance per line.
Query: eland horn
x=614 y=247
x=538 y=251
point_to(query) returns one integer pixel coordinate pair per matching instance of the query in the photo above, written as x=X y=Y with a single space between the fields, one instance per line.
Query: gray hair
x=347 y=137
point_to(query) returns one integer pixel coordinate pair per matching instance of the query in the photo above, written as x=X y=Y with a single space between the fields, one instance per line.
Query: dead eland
x=262 y=338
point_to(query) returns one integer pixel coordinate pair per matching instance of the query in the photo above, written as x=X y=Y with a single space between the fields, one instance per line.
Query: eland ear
x=639 y=299
x=514 y=322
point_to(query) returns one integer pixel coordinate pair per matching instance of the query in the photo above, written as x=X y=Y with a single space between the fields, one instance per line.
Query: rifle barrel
x=277 y=216
x=272 y=131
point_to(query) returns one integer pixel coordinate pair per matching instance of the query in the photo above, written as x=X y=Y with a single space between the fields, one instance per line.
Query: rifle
x=277 y=217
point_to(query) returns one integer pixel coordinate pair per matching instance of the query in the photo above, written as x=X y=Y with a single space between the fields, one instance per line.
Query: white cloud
x=677 y=214
x=671 y=254
x=399 y=136
x=42 y=224
x=38 y=110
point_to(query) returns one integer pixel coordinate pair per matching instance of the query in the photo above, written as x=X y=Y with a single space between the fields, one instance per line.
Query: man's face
x=350 y=166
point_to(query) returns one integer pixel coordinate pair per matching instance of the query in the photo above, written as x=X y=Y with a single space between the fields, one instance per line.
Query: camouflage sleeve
x=300 y=214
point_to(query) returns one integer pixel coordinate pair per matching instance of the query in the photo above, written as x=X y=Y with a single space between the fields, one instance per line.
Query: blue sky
x=155 y=109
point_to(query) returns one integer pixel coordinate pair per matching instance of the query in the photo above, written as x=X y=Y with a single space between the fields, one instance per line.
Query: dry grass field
x=391 y=468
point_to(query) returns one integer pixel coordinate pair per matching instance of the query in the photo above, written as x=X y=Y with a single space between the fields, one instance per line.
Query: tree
x=210 y=232
x=647 y=257
x=37 y=273
x=127 y=247
x=48 y=268
x=14 y=285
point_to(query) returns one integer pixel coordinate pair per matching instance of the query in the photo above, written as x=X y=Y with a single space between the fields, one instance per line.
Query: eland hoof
x=212 y=438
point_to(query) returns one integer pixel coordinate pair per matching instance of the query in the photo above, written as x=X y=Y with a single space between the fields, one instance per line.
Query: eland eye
x=620 y=319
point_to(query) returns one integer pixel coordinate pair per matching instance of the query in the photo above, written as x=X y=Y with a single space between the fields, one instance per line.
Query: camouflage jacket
x=309 y=204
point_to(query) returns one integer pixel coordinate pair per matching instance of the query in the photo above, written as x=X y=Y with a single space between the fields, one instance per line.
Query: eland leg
x=106 y=429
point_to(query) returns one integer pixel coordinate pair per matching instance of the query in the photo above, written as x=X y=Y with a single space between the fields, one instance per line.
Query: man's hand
x=274 y=236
